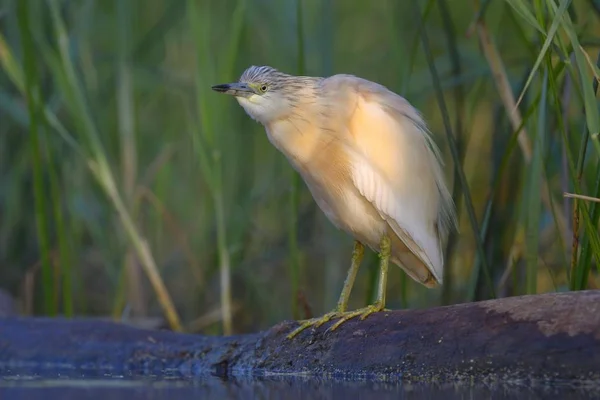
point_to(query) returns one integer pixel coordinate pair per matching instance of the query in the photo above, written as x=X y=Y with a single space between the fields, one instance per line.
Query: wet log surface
x=552 y=337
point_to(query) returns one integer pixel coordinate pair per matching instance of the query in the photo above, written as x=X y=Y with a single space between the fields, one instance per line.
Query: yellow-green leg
x=379 y=305
x=342 y=304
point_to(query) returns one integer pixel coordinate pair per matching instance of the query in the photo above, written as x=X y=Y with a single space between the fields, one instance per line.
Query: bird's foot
x=361 y=312
x=344 y=316
x=316 y=322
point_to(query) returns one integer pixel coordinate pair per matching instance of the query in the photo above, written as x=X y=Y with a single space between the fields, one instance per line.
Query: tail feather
x=410 y=263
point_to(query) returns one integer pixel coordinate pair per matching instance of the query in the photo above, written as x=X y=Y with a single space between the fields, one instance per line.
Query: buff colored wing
x=396 y=167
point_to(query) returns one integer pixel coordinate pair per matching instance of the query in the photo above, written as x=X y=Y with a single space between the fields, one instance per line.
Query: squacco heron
x=370 y=163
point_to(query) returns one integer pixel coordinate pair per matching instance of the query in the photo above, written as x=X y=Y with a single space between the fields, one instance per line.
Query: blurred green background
x=130 y=190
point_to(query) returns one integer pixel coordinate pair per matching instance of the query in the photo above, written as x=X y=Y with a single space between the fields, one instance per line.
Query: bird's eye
x=263 y=88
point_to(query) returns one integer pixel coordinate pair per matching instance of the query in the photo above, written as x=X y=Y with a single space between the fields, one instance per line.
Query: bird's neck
x=297 y=136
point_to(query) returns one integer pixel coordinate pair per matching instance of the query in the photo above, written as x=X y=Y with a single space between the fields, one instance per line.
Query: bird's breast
x=325 y=166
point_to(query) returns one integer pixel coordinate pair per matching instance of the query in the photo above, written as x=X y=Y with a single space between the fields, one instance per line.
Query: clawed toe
x=363 y=313
x=314 y=322
x=344 y=316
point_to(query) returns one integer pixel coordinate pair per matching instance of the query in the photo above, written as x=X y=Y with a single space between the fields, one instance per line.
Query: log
x=550 y=337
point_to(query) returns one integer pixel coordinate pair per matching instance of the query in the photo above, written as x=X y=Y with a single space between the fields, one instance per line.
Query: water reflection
x=290 y=388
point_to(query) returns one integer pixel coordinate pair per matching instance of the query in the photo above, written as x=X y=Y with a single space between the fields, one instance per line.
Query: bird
x=370 y=163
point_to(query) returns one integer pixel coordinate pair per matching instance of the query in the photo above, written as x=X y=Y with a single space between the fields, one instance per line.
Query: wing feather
x=397 y=167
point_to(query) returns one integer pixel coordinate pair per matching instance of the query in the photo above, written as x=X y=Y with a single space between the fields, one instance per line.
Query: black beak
x=221 y=88
x=234 y=89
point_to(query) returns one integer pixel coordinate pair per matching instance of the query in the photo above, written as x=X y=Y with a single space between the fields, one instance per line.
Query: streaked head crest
x=254 y=74
x=265 y=75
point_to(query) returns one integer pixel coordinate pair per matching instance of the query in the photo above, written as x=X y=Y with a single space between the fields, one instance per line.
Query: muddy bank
x=550 y=337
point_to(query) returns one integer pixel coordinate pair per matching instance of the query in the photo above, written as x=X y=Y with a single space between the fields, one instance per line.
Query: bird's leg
x=384 y=255
x=342 y=304
x=379 y=305
x=357 y=256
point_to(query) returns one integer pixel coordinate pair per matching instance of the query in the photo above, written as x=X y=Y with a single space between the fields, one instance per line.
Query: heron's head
x=268 y=94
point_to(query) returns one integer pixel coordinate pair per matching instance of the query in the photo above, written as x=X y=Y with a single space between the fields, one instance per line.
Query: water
x=80 y=387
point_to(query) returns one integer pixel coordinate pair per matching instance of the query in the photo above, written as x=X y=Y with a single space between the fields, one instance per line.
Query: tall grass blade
x=65 y=248
x=579 y=277
x=522 y=8
x=15 y=73
x=533 y=195
x=593 y=126
x=549 y=38
x=8 y=61
x=414 y=47
x=502 y=170
x=592 y=113
x=503 y=86
x=582 y=197
x=237 y=26
x=560 y=108
x=452 y=42
x=295 y=182
x=31 y=88
x=207 y=145
x=98 y=164
x=126 y=124
x=455 y=155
